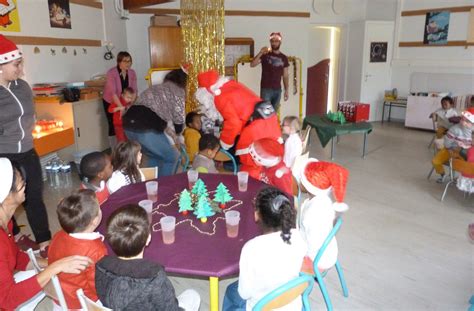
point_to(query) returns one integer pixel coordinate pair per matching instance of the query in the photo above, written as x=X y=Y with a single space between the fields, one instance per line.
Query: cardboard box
x=89 y=93
x=354 y=112
x=163 y=20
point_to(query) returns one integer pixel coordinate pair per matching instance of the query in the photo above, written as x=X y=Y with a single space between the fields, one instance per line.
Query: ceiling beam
x=136 y=4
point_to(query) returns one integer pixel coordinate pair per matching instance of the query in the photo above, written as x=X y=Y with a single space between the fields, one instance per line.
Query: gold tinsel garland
x=202 y=25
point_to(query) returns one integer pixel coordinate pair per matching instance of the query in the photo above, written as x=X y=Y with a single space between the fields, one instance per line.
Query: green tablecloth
x=327 y=129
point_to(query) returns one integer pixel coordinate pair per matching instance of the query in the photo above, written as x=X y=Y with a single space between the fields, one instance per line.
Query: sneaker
x=44 y=252
x=440 y=180
x=25 y=243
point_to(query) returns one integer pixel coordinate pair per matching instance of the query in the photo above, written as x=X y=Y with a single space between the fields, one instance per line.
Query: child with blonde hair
x=126 y=159
x=291 y=127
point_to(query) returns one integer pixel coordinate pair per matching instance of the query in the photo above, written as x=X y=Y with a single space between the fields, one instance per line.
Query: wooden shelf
x=453 y=9
x=421 y=44
x=24 y=40
x=227 y=13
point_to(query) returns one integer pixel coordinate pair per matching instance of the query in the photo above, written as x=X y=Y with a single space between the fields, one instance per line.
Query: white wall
x=434 y=60
x=87 y=23
x=381 y=10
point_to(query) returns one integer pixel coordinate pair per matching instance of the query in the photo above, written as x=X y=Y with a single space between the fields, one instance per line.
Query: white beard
x=206 y=104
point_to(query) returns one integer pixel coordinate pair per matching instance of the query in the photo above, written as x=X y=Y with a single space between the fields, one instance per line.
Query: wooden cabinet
x=166 y=46
x=86 y=117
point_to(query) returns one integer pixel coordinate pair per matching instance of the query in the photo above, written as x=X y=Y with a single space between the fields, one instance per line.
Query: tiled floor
x=400 y=247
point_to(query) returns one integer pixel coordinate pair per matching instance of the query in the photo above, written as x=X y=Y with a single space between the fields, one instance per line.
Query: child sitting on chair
x=271 y=259
x=321 y=179
x=79 y=215
x=192 y=134
x=127 y=98
x=126 y=159
x=293 y=145
x=129 y=282
x=457 y=140
x=445 y=116
x=465 y=181
x=96 y=168
x=208 y=148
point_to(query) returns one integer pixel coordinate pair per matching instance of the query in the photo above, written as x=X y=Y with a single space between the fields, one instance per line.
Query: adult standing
x=17 y=121
x=274 y=67
x=146 y=121
x=23 y=288
x=118 y=78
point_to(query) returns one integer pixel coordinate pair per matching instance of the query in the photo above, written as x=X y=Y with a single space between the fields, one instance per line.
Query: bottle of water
x=49 y=173
x=66 y=175
x=56 y=167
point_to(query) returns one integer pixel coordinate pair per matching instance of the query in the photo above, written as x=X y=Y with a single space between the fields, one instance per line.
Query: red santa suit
x=232 y=102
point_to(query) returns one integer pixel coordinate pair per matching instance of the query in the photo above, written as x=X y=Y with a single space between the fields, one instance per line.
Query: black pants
x=110 y=120
x=34 y=205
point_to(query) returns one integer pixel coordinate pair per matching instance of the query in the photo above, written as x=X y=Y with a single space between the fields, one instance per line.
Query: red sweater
x=11 y=258
x=64 y=245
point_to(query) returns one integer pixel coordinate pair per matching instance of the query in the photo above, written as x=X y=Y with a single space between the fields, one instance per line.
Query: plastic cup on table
x=243 y=180
x=168 y=224
x=152 y=190
x=147 y=205
x=232 y=219
x=192 y=178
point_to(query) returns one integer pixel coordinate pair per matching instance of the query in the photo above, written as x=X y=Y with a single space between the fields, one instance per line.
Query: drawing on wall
x=59 y=13
x=436 y=28
x=378 y=52
x=9 y=20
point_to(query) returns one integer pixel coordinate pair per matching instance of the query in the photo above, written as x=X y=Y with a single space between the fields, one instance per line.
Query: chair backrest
x=183 y=159
x=53 y=288
x=150 y=172
x=88 y=304
x=463 y=167
x=286 y=293
x=335 y=229
x=224 y=156
x=306 y=139
x=297 y=165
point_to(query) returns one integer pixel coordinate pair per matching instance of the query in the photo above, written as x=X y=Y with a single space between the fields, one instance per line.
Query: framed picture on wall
x=9 y=20
x=378 y=52
x=59 y=14
x=436 y=27
x=235 y=48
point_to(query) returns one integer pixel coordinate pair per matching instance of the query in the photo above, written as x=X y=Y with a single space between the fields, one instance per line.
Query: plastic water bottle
x=66 y=175
x=56 y=167
x=49 y=173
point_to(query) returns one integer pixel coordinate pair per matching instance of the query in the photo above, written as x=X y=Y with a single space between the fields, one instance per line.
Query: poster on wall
x=59 y=13
x=378 y=52
x=436 y=28
x=9 y=20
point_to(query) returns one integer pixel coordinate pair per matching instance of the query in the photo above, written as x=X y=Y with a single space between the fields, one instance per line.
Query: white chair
x=53 y=288
x=306 y=139
x=150 y=172
x=88 y=304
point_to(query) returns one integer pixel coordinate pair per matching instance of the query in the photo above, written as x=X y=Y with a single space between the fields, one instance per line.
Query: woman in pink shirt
x=118 y=78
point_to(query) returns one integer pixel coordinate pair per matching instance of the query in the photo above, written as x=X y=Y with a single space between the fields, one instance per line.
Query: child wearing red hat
x=457 y=139
x=321 y=179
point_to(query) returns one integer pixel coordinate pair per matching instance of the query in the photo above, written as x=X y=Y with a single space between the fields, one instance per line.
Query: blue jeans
x=273 y=96
x=158 y=149
x=232 y=299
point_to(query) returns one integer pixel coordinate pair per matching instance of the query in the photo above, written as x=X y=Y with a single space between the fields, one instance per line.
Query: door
x=376 y=69
x=166 y=46
x=317 y=88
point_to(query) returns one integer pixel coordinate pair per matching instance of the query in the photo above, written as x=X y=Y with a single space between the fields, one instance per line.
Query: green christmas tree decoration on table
x=222 y=195
x=199 y=188
x=203 y=209
x=336 y=117
x=185 y=202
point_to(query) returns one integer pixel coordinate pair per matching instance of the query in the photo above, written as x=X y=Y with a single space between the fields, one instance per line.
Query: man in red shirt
x=274 y=66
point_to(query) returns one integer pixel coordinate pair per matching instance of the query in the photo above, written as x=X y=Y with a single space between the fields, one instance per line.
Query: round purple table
x=200 y=249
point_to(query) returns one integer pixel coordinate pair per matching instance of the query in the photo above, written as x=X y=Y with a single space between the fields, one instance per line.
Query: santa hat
x=319 y=176
x=266 y=152
x=468 y=114
x=8 y=50
x=275 y=35
x=6 y=171
x=211 y=81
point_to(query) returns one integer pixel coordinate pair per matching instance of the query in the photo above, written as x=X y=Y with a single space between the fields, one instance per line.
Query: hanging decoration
x=202 y=26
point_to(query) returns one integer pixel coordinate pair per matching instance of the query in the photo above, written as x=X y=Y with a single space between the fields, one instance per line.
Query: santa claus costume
x=223 y=99
x=317 y=214
x=267 y=153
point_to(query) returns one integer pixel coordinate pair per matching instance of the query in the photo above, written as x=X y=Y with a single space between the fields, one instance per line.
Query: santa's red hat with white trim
x=319 y=176
x=468 y=114
x=207 y=79
x=8 y=50
x=266 y=152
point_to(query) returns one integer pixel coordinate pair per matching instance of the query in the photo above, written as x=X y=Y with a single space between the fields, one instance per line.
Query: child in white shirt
x=293 y=144
x=443 y=116
x=126 y=159
x=270 y=260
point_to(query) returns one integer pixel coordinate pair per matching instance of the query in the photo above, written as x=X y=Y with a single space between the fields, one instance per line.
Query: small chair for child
x=460 y=166
x=53 y=288
x=183 y=160
x=225 y=156
x=319 y=276
x=88 y=304
x=283 y=295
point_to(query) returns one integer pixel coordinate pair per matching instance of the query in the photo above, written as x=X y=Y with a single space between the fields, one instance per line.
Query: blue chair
x=224 y=156
x=183 y=160
x=319 y=276
x=283 y=295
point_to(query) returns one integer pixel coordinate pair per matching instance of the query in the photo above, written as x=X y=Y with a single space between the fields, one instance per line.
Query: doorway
x=323 y=68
